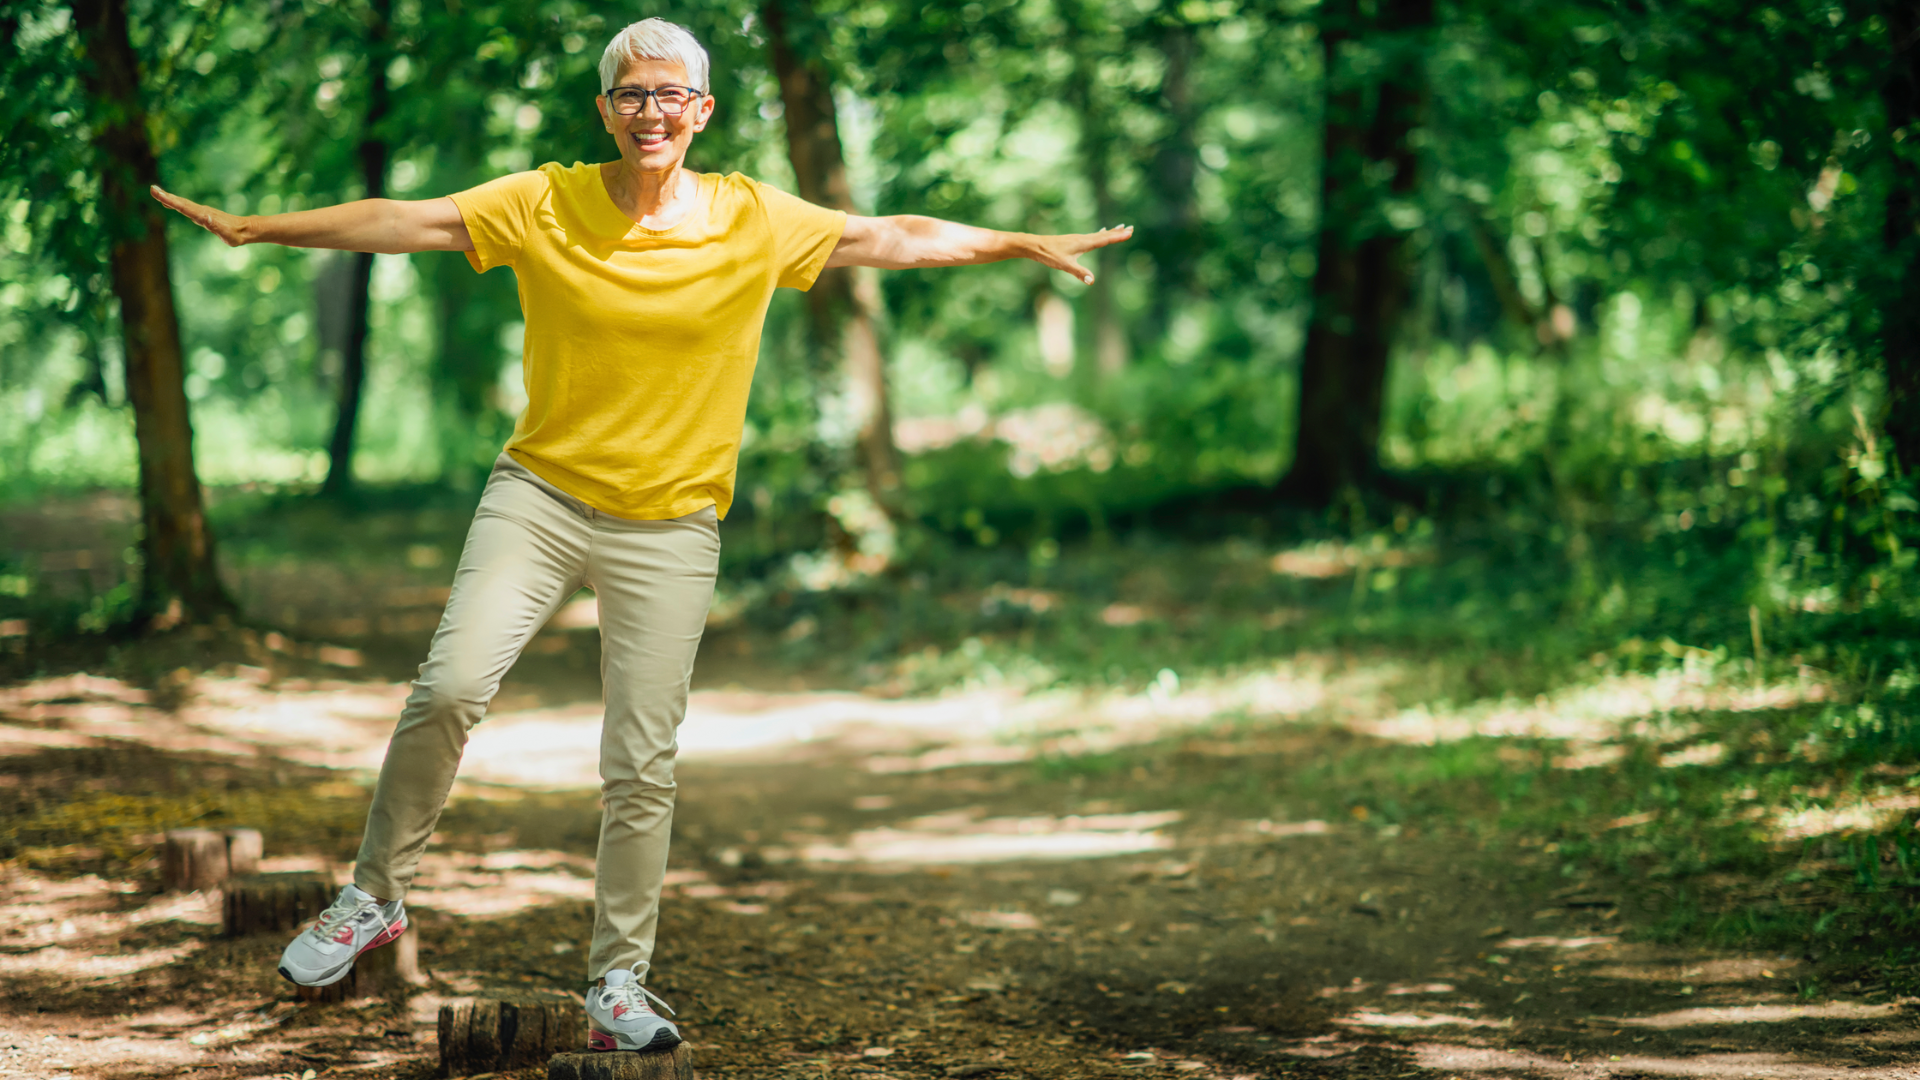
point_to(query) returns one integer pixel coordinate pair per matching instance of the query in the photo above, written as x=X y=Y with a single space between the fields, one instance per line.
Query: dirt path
x=840 y=906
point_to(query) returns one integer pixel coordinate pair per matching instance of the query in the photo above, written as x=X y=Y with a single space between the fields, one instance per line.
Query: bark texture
x=178 y=578
x=1901 y=335
x=517 y=1032
x=1111 y=349
x=674 y=1064
x=844 y=304
x=373 y=179
x=1360 y=284
x=1174 y=236
x=272 y=903
x=192 y=860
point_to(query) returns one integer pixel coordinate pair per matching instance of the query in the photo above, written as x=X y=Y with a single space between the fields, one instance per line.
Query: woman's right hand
x=228 y=227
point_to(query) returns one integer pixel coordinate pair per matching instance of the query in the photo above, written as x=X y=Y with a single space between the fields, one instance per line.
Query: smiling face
x=650 y=140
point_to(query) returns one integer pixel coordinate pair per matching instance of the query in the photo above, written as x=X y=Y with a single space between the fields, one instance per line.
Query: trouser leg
x=525 y=554
x=654 y=582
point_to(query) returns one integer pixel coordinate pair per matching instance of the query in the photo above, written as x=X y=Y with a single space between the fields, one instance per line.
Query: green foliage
x=1634 y=415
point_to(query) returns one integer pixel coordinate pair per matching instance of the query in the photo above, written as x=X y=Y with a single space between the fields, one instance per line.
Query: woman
x=644 y=287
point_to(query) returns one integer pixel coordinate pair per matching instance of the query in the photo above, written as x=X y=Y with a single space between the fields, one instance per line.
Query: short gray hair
x=654 y=39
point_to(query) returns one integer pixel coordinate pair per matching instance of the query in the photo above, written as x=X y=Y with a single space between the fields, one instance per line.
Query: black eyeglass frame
x=655 y=95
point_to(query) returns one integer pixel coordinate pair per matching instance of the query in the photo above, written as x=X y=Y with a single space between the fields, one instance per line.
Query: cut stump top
x=674 y=1064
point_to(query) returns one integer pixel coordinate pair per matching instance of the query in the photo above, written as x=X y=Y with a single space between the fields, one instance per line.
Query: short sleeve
x=804 y=235
x=499 y=214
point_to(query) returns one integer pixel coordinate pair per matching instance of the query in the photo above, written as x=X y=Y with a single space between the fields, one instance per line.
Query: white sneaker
x=619 y=1017
x=323 y=954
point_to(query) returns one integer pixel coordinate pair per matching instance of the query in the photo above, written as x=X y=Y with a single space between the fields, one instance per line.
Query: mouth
x=649 y=141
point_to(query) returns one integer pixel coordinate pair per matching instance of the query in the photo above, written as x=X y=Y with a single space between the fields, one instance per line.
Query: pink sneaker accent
x=323 y=954
x=385 y=936
x=600 y=1040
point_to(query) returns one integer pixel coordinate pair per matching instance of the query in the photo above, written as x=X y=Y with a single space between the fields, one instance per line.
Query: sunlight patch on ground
x=1761 y=1014
x=959 y=838
x=1594 y=713
x=46 y=1047
x=560 y=747
x=1556 y=942
x=49 y=924
x=501 y=883
x=1401 y=990
x=57 y=960
x=332 y=724
x=1372 y=1019
x=1333 y=558
x=1699 y=972
x=1875 y=814
x=1001 y=920
x=1486 y=1061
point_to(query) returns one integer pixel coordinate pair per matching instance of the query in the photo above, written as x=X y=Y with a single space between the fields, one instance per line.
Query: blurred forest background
x=1523 y=345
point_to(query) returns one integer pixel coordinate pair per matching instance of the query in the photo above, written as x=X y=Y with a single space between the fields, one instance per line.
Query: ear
x=703 y=112
x=606 y=118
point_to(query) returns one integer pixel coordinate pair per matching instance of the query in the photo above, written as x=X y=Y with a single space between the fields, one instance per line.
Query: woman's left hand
x=1063 y=252
x=909 y=241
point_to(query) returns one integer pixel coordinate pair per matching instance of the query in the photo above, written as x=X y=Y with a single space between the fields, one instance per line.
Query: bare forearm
x=916 y=241
x=375 y=225
x=908 y=241
x=383 y=226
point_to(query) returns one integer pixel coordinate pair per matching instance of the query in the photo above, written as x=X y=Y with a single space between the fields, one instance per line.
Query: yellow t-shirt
x=641 y=343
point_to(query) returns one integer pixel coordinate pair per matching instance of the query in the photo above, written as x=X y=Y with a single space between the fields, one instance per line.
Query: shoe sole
x=382 y=938
x=600 y=1042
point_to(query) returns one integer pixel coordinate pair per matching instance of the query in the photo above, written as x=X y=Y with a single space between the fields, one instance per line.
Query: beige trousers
x=531 y=547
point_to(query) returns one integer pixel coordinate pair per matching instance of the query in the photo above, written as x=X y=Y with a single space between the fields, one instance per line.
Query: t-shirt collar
x=606 y=218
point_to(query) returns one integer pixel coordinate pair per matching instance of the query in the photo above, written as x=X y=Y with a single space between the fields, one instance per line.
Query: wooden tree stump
x=382 y=972
x=497 y=1034
x=194 y=859
x=273 y=903
x=674 y=1064
x=244 y=848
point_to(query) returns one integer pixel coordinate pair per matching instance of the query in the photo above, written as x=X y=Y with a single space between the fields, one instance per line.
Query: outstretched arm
x=909 y=241
x=385 y=226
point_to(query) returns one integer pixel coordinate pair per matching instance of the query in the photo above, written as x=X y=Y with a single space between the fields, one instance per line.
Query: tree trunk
x=193 y=859
x=272 y=903
x=1110 y=346
x=373 y=178
x=1901 y=338
x=844 y=304
x=1173 y=217
x=499 y=1034
x=1360 y=284
x=179 y=577
x=674 y=1064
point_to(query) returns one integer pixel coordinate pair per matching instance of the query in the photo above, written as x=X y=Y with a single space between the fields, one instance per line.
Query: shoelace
x=630 y=996
x=341 y=912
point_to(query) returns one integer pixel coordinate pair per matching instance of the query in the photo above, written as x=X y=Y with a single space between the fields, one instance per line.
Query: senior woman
x=644 y=287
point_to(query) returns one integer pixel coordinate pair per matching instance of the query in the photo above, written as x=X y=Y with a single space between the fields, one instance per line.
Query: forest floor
x=990 y=881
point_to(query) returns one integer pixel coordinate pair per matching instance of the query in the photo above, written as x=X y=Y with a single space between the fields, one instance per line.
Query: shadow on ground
x=883 y=898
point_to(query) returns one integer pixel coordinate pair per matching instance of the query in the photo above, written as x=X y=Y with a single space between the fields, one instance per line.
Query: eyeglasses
x=673 y=100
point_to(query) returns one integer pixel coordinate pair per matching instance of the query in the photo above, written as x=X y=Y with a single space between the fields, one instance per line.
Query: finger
x=174 y=202
x=1084 y=242
x=166 y=198
x=1071 y=266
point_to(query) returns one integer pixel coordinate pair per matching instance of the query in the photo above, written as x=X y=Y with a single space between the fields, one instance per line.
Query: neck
x=643 y=195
